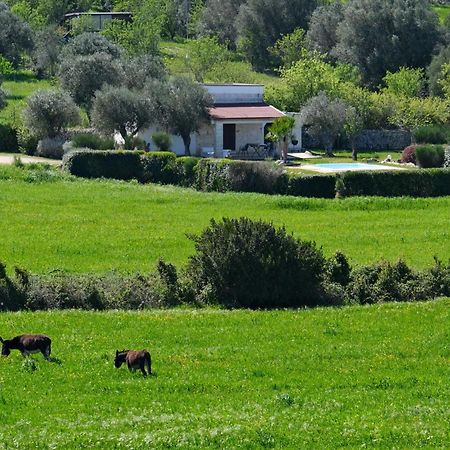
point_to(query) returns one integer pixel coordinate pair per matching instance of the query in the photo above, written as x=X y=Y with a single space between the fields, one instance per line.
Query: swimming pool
x=343 y=167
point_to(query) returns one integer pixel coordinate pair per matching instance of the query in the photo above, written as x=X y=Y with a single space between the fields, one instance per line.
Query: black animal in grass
x=135 y=359
x=27 y=344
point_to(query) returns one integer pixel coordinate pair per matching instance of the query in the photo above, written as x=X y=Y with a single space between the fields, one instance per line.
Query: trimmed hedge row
x=252 y=176
x=414 y=183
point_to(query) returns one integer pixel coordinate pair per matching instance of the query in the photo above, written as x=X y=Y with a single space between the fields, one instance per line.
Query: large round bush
x=242 y=263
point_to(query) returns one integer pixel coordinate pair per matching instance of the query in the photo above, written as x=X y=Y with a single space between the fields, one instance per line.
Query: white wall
x=236 y=93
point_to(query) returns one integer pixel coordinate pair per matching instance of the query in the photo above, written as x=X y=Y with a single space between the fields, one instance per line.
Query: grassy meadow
x=95 y=226
x=326 y=378
x=18 y=87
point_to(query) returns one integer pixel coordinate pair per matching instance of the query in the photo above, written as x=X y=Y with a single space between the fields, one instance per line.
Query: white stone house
x=239 y=116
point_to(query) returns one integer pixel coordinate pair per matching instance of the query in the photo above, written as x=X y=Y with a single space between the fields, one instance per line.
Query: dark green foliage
x=380 y=36
x=122 y=109
x=134 y=143
x=429 y=156
x=261 y=23
x=319 y=186
x=434 y=70
x=15 y=36
x=138 y=71
x=338 y=269
x=83 y=75
x=92 y=141
x=162 y=141
x=432 y=134
x=387 y=282
x=159 y=167
x=187 y=169
x=8 y=139
x=413 y=183
x=11 y=294
x=159 y=289
x=87 y=44
x=124 y=165
x=242 y=263
x=240 y=176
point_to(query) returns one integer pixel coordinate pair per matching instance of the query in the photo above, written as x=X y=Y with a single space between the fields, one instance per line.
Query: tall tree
x=219 y=19
x=15 y=35
x=82 y=76
x=384 y=35
x=322 y=32
x=325 y=119
x=261 y=23
x=49 y=112
x=185 y=108
x=118 y=108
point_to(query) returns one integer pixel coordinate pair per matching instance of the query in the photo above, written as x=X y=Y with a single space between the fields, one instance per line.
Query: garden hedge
x=252 y=176
x=412 y=183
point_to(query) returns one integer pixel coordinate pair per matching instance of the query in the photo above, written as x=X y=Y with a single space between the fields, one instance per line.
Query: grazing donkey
x=27 y=344
x=135 y=359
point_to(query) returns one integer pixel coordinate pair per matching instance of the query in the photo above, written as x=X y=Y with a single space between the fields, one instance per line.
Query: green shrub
x=187 y=169
x=162 y=141
x=413 y=183
x=8 y=139
x=92 y=141
x=122 y=165
x=386 y=282
x=432 y=134
x=159 y=289
x=429 y=156
x=212 y=175
x=27 y=141
x=160 y=167
x=242 y=263
x=11 y=295
x=134 y=143
x=240 y=176
x=321 y=186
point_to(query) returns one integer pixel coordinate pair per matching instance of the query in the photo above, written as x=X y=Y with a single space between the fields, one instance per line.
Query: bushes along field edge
x=239 y=263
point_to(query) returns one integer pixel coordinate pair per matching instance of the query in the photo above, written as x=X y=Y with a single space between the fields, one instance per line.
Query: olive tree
x=49 y=112
x=47 y=49
x=183 y=108
x=15 y=35
x=119 y=108
x=83 y=75
x=89 y=44
x=139 y=70
x=261 y=23
x=380 y=35
x=325 y=119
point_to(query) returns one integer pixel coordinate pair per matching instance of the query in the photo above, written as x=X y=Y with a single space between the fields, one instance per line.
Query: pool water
x=337 y=167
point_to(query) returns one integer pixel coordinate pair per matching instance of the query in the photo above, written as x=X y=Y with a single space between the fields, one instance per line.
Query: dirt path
x=8 y=158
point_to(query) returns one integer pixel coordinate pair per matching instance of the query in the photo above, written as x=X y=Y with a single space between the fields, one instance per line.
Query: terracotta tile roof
x=244 y=111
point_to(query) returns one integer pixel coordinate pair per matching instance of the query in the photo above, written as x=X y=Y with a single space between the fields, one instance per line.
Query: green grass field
x=18 y=87
x=327 y=378
x=96 y=226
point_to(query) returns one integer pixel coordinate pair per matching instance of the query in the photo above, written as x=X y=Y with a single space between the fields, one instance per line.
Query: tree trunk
x=354 y=152
x=187 y=144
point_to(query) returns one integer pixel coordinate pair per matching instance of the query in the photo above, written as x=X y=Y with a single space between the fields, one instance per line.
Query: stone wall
x=367 y=140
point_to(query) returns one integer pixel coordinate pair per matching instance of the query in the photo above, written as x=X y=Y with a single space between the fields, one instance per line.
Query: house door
x=229 y=136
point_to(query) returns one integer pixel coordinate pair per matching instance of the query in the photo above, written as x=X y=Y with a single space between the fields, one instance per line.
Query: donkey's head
x=120 y=358
x=5 y=347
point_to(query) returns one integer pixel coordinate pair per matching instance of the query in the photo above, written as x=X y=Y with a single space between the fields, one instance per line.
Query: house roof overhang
x=240 y=111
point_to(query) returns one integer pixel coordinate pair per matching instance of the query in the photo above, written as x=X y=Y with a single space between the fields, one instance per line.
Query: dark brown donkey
x=135 y=359
x=27 y=344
